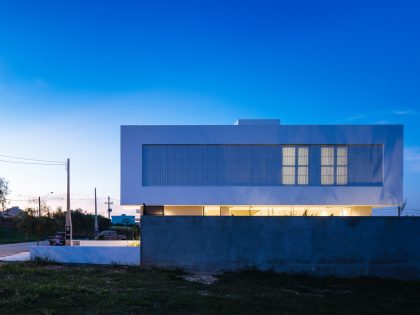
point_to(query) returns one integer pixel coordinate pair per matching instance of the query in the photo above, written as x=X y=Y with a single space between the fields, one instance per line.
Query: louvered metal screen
x=247 y=165
x=365 y=164
x=211 y=165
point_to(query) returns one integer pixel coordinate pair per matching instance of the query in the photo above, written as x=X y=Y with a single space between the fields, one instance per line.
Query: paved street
x=12 y=249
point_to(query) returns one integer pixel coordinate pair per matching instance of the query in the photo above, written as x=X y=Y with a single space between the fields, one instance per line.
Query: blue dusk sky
x=72 y=72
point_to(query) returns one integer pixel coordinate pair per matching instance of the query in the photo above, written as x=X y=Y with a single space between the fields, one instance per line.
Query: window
x=341 y=166
x=295 y=166
x=327 y=166
x=303 y=161
x=289 y=162
x=334 y=165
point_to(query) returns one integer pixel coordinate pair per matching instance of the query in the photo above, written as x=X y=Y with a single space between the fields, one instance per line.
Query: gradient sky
x=72 y=72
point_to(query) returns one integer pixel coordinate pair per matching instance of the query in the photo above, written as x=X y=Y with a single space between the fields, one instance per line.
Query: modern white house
x=261 y=168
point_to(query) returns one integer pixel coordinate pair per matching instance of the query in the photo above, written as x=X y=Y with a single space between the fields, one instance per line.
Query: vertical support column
x=96 y=227
x=68 y=230
x=224 y=210
x=361 y=211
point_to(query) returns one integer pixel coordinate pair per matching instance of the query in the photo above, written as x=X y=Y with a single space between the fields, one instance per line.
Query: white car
x=109 y=235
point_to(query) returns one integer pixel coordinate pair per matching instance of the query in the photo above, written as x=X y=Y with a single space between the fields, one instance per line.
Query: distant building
x=123 y=219
x=13 y=212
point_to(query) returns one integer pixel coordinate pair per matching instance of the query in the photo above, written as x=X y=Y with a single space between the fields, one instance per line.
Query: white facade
x=256 y=164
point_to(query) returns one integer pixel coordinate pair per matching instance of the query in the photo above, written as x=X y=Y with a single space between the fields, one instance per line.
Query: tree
x=45 y=209
x=4 y=191
x=51 y=222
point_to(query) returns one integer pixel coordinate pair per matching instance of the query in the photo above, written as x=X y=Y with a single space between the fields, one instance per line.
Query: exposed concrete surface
x=102 y=255
x=340 y=246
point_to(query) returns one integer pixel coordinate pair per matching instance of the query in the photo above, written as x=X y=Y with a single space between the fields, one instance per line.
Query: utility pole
x=39 y=206
x=109 y=203
x=39 y=203
x=68 y=231
x=96 y=216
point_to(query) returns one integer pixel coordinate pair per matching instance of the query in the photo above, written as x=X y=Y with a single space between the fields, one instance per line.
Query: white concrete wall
x=105 y=243
x=133 y=193
x=88 y=255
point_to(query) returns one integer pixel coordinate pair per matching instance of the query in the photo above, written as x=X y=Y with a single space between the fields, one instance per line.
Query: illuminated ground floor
x=257 y=210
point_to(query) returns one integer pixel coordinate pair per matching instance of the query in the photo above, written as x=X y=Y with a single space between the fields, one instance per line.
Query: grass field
x=11 y=235
x=31 y=288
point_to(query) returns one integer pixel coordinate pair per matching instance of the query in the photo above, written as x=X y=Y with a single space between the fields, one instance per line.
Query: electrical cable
x=33 y=163
x=29 y=159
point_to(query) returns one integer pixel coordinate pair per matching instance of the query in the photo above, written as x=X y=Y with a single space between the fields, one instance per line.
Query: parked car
x=58 y=239
x=110 y=235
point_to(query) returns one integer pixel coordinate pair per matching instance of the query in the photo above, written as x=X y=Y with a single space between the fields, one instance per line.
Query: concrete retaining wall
x=340 y=246
x=88 y=255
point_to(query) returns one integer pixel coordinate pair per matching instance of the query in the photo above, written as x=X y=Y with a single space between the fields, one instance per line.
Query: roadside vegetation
x=35 y=224
x=52 y=222
x=9 y=235
x=29 y=227
x=131 y=232
x=41 y=288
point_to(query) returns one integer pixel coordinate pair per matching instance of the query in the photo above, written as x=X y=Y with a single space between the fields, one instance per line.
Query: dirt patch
x=203 y=278
x=53 y=267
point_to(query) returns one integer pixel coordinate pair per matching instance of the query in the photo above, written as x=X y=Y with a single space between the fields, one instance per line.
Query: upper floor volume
x=261 y=162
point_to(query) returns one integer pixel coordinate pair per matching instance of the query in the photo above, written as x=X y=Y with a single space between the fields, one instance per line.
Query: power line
x=33 y=163
x=58 y=198
x=29 y=159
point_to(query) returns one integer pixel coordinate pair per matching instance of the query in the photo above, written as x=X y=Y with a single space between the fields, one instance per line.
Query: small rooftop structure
x=255 y=122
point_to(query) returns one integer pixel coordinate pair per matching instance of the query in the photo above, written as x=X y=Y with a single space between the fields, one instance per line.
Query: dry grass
x=37 y=288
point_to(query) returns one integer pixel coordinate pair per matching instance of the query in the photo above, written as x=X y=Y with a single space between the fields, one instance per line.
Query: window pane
x=327 y=175
x=341 y=155
x=289 y=156
x=303 y=156
x=288 y=176
x=327 y=156
x=302 y=175
x=341 y=175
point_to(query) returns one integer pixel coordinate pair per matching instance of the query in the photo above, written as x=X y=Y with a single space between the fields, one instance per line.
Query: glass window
x=302 y=175
x=334 y=165
x=303 y=161
x=327 y=166
x=341 y=175
x=341 y=166
x=289 y=154
x=341 y=155
x=288 y=175
x=327 y=156
x=327 y=175
x=295 y=165
x=289 y=162
x=302 y=156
